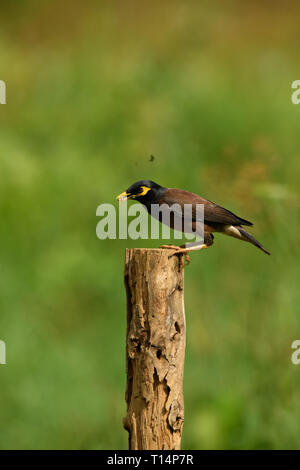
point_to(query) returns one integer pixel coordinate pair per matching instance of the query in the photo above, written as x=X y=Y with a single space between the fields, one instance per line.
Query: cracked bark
x=155 y=348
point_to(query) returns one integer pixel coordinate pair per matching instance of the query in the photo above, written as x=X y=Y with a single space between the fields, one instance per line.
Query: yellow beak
x=124 y=196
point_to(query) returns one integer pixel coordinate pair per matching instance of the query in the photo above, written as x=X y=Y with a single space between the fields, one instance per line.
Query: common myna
x=216 y=218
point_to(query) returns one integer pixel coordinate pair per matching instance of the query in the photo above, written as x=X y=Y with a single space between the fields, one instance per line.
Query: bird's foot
x=170 y=247
x=179 y=251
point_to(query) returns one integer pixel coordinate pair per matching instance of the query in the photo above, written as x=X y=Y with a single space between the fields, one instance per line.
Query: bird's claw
x=170 y=247
x=178 y=251
x=184 y=256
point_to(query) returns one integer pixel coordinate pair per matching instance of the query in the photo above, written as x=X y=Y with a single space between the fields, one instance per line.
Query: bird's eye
x=143 y=190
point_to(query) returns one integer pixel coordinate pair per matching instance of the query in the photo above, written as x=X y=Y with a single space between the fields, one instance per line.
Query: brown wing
x=212 y=212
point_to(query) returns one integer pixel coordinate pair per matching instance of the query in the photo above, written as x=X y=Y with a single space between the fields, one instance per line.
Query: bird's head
x=144 y=191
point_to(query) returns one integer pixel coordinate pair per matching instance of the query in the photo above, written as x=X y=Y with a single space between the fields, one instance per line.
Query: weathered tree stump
x=155 y=348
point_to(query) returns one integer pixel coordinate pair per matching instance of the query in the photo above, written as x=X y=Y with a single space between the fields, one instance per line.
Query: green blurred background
x=93 y=89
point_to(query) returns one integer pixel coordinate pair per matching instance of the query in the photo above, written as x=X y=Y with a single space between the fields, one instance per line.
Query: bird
x=217 y=219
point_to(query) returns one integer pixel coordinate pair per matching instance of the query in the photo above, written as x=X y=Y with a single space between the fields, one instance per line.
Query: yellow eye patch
x=144 y=190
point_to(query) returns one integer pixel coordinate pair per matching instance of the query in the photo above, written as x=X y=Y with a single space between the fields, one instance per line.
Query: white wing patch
x=232 y=231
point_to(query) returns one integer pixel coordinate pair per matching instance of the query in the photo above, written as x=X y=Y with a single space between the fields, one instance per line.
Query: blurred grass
x=92 y=91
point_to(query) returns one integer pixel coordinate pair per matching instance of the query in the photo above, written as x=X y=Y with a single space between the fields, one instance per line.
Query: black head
x=144 y=191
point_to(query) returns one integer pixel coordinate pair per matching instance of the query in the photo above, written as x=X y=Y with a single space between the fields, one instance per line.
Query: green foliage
x=91 y=93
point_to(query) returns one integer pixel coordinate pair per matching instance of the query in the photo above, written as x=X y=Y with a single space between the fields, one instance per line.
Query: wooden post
x=155 y=348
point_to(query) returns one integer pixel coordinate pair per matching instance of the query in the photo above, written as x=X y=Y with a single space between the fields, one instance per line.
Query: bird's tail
x=249 y=238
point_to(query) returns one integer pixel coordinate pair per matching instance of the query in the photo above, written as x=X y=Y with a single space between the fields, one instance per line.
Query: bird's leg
x=184 y=249
x=192 y=248
x=171 y=247
x=178 y=249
